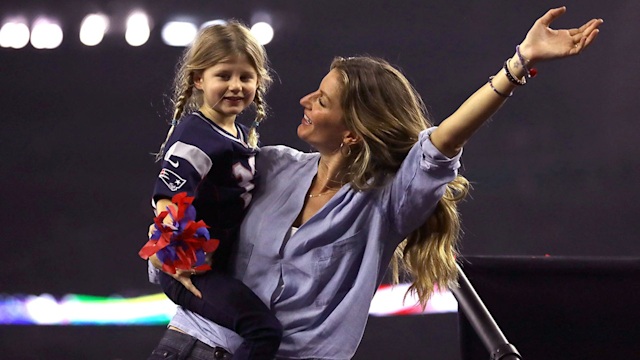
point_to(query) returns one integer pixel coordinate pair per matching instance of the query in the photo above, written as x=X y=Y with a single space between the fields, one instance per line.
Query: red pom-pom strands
x=183 y=244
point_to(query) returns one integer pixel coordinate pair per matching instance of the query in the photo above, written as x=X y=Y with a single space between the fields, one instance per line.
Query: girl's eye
x=320 y=102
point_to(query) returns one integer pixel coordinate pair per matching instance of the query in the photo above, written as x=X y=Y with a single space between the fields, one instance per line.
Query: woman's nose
x=305 y=100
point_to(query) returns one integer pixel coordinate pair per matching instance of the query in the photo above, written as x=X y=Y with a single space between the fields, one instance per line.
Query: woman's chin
x=301 y=132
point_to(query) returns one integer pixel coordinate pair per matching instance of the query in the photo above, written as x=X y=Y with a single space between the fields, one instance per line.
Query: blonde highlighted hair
x=212 y=45
x=387 y=113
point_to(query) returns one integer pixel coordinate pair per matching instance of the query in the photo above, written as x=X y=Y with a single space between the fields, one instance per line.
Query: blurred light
x=213 y=22
x=263 y=32
x=261 y=16
x=179 y=33
x=93 y=29
x=157 y=309
x=138 y=29
x=14 y=34
x=44 y=309
x=45 y=34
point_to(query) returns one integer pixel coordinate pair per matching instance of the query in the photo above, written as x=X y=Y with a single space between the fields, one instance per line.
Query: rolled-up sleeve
x=153 y=273
x=419 y=184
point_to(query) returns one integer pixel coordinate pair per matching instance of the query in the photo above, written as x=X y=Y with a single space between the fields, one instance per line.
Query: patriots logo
x=173 y=181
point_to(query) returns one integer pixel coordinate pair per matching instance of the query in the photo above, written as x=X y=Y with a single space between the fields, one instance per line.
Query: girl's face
x=322 y=125
x=228 y=88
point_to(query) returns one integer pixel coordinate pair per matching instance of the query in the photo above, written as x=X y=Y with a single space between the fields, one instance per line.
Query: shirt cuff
x=432 y=157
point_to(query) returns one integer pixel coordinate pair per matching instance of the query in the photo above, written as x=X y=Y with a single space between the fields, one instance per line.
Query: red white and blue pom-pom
x=184 y=244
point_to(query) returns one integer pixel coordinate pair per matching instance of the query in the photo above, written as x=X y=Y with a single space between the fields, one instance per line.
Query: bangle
x=510 y=76
x=496 y=90
x=530 y=72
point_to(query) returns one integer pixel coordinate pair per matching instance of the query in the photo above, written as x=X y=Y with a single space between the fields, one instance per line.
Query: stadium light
x=212 y=22
x=179 y=33
x=14 y=34
x=138 y=29
x=263 y=32
x=93 y=28
x=46 y=34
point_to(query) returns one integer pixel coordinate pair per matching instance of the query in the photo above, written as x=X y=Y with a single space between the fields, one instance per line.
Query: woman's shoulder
x=286 y=153
x=281 y=157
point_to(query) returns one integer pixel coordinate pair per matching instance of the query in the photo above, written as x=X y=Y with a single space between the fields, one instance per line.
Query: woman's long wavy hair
x=387 y=113
x=212 y=45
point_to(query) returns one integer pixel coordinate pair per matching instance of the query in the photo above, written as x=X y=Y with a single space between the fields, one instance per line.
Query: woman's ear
x=351 y=138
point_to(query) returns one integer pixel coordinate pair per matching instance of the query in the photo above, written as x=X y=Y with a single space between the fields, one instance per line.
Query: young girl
x=211 y=158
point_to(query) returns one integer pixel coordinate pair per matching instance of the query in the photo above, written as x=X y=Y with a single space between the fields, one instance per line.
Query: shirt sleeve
x=419 y=184
x=185 y=163
x=153 y=273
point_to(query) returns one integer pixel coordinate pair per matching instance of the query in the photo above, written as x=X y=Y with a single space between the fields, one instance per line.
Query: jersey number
x=245 y=177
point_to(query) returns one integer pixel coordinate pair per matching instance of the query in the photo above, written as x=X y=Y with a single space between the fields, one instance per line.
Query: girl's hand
x=184 y=277
x=543 y=43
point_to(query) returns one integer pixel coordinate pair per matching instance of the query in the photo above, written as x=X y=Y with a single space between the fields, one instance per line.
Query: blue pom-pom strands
x=183 y=244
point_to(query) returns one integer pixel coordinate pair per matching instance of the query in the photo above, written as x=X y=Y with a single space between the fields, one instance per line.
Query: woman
x=323 y=227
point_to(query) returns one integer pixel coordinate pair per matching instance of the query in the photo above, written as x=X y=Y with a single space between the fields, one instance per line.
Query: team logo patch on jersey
x=173 y=181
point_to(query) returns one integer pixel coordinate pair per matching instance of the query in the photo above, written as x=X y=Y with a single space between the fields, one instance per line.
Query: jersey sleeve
x=185 y=163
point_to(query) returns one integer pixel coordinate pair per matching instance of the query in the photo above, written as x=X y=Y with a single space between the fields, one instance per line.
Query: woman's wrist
x=520 y=67
x=525 y=53
x=516 y=68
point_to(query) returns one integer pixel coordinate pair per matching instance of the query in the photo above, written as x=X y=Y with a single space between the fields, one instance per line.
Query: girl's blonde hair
x=212 y=45
x=387 y=113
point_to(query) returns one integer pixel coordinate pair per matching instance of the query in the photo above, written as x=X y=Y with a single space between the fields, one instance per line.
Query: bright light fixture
x=213 y=22
x=138 y=29
x=179 y=33
x=14 y=34
x=263 y=32
x=46 y=34
x=93 y=29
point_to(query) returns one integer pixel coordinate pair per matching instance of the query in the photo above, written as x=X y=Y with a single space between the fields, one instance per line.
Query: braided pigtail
x=180 y=103
x=261 y=113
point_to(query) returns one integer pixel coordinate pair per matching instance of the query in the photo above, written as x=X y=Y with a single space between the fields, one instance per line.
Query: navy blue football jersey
x=213 y=166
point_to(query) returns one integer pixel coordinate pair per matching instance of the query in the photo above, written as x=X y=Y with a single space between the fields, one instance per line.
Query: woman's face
x=322 y=125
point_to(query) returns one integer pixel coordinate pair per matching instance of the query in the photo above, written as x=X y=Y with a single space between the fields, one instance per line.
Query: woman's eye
x=320 y=102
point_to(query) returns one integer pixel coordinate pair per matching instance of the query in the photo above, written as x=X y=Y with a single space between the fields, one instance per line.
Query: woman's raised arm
x=542 y=43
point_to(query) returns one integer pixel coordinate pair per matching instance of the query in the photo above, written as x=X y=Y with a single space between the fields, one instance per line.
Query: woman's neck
x=332 y=172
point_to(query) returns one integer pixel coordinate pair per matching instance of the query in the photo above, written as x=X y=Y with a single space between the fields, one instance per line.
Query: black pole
x=482 y=321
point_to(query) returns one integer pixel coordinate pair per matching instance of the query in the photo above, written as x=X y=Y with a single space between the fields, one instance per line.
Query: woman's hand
x=544 y=43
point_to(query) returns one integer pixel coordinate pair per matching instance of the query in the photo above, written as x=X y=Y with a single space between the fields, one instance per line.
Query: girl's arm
x=183 y=276
x=541 y=43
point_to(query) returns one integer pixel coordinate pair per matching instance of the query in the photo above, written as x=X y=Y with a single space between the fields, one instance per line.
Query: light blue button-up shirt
x=320 y=281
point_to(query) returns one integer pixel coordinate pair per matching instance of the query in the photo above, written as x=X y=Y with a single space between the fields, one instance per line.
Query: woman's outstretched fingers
x=584 y=36
x=551 y=15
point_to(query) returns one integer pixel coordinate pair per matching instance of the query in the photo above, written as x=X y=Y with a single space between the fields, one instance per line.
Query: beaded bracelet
x=496 y=90
x=530 y=72
x=510 y=76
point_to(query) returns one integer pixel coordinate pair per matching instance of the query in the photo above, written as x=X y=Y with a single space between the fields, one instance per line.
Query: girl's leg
x=230 y=303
